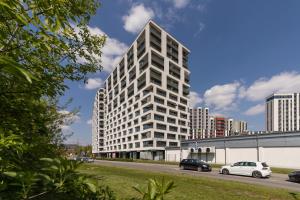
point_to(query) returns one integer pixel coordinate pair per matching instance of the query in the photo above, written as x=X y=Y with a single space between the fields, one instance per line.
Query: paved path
x=276 y=180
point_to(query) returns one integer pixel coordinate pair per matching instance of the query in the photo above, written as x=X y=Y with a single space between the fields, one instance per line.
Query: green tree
x=43 y=44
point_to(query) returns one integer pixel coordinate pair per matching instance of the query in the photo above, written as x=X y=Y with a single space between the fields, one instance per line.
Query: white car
x=247 y=168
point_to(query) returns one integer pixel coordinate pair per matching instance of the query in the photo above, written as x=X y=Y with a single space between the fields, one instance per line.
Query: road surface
x=276 y=180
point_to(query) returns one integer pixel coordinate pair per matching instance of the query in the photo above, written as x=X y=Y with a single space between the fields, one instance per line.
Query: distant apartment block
x=236 y=127
x=283 y=112
x=146 y=98
x=98 y=122
x=202 y=125
x=199 y=123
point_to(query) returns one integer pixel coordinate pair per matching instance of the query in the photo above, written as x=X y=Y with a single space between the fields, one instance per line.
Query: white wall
x=240 y=154
x=220 y=156
x=286 y=157
x=173 y=155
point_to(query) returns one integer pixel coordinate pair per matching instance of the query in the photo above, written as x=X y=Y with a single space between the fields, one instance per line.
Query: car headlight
x=204 y=165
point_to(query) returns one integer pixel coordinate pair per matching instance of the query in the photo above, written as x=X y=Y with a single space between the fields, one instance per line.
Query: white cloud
x=137 y=17
x=93 y=83
x=282 y=83
x=222 y=97
x=89 y=122
x=255 y=110
x=70 y=117
x=180 y=3
x=201 y=27
x=112 y=50
x=195 y=99
x=66 y=128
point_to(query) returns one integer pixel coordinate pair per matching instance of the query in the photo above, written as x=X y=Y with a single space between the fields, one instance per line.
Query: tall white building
x=199 y=123
x=283 y=112
x=236 y=127
x=98 y=122
x=202 y=125
x=146 y=97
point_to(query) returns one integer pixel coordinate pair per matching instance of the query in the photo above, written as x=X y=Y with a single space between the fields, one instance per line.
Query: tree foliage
x=43 y=44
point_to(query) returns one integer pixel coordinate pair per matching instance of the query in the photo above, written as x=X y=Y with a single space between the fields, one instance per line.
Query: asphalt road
x=276 y=180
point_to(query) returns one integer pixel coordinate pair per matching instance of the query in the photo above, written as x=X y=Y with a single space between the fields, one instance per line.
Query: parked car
x=194 y=164
x=84 y=159
x=294 y=176
x=87 y=159
x=247 y=168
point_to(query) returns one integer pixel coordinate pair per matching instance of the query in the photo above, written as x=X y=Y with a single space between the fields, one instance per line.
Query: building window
x=143 y=63
x=141 y=81
x=185 y=55
x=157 y=61
x=132 y=74
x=161 y=92
x=158 y=100
x=130 y=58
x=161 y=126
x=172 y=85
x=161 y=143
x=161 y=109
x=130 y=90
x=174 y=70
x=141 y=48
x=172 y=49
x=159 y=135
x=159 y=117
x=121 y=69
x=155 y=38
x=155 y=77
x=185 y=90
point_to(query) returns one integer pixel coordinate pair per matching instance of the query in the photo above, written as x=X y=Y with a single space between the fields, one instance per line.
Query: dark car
x=295 y=176
x=194 y=164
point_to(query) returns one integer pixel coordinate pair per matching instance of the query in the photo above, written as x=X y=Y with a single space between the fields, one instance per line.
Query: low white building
x=277 y=149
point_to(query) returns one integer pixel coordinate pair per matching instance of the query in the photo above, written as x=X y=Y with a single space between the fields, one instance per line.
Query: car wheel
x=256 y=174
x=225 y=171
x=292 y=179
x=199 y=169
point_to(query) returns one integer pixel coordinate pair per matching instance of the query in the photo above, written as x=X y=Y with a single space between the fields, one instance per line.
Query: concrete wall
x=287 y=157
x=173 y=155
x=282 y=157
x=238 y=154
x=278 y=150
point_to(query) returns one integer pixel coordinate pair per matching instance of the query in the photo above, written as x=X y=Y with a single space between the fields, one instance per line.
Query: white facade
x=199 y=123
x=235 y=127
x=98 y=122
x=204 y=126
x=283 y=112
x=147 y=97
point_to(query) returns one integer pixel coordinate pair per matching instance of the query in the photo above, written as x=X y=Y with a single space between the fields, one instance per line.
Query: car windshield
x=264 y=164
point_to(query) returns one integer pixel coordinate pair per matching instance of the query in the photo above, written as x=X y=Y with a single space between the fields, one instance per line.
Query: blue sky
x=241 y=51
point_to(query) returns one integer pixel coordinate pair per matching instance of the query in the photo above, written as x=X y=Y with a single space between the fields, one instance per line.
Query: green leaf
x=91 y=187
x=8 y=65
x=10 y=174
x=46 y=159
x=4 y=5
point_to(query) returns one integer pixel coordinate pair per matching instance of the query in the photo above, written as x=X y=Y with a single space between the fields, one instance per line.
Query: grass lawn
x=121 y=181
x=274 y=169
